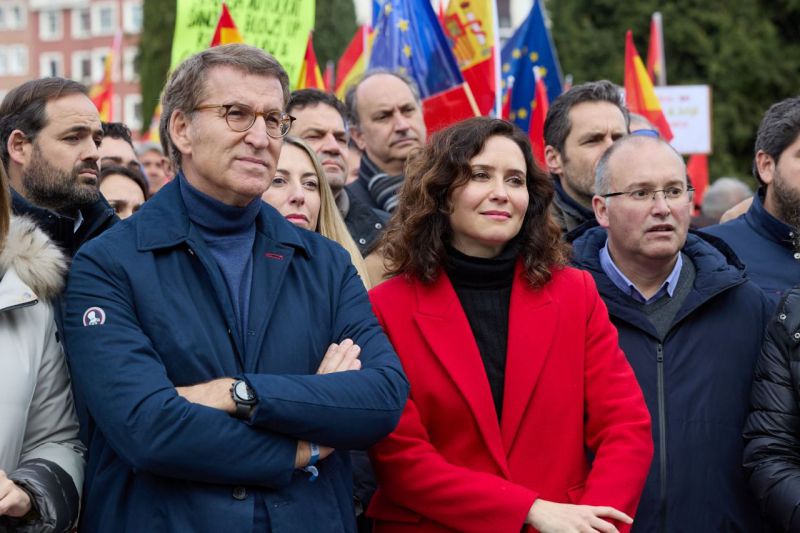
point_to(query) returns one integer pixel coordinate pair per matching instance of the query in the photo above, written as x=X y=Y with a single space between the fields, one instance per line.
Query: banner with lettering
x=278 y=26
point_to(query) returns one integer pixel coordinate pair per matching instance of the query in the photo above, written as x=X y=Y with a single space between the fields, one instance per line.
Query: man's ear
x=600 y=208
x=358 y=138
x=19 y=148
x=553 y=159
x=180 y=132
x=765 y=165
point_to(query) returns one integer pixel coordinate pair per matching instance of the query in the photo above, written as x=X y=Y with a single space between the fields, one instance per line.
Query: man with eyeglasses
x=691 y=325
x=229 y=360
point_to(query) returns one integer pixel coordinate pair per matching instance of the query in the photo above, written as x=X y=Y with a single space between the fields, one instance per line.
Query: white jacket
x=39 y=446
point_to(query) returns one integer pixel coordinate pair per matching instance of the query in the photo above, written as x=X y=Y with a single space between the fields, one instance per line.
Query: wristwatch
x=244 y=398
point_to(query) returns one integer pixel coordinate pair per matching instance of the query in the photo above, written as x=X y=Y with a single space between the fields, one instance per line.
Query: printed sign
x=688 y=111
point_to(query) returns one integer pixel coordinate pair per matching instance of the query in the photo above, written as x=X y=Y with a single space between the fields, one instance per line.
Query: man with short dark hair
x=580 y=125
x=117 y=149
x=387 y=125
x=321 y=121
x=49 y=136
x=229 y=361
x=690 y=324
x=767 y=237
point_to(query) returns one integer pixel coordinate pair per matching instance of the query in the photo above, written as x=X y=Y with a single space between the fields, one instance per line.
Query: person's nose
x=330 y=145
x=90 y=151
x=499 y=192
x=660 y=205
x=401 y=122
x=297 y=195
x=257 y=134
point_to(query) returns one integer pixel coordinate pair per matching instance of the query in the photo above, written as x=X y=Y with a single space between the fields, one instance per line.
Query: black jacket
x=772 y=432
x=364 y=223
x=97 y=218
x=696 y=382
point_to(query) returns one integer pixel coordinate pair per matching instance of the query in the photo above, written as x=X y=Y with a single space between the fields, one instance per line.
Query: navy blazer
x=147 y=310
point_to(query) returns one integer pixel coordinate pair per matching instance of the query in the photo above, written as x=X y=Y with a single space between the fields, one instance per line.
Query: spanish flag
x=639 y=93
x=354 y=61
x=470 y=28
x=226 y=32
x=310 y=74
x=538 y=116
x=153 y=134
x=102 y=93
x=655 y=51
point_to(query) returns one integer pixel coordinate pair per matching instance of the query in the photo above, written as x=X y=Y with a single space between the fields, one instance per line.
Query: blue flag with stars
x=530 y=46
x=409 y=39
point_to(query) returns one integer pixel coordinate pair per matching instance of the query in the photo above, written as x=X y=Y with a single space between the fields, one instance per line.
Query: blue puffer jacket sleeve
x=347 y=410
x=134 y=403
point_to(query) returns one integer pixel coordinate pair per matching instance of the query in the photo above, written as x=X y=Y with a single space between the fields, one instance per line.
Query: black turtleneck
x=483 y=287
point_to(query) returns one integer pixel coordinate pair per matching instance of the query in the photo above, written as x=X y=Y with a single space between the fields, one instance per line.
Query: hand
x=340 y=358
x=551 y=517
x=215 y=394
x=303 y=455
x=13 y=500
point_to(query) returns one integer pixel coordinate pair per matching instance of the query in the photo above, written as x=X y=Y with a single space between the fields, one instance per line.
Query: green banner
x=278 y=26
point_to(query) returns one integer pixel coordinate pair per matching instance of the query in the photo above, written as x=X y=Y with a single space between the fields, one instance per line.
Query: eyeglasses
x=241 y=118
x=673 y=195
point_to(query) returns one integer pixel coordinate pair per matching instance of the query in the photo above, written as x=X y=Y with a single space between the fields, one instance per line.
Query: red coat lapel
x=532 y=324
x=445 y=328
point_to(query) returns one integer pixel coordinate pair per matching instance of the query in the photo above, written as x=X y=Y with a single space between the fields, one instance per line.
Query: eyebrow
x=83 y=129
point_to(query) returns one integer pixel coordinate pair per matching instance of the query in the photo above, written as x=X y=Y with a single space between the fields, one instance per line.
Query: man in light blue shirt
x=690 y=323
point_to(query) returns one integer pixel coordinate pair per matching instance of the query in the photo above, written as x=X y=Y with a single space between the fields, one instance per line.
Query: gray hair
x=602 y=172
x=187 y=85
x=350 y=98
x=148 y=147
x=723 y=194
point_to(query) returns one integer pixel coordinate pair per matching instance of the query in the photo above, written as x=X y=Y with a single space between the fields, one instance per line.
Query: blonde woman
x=301 y=193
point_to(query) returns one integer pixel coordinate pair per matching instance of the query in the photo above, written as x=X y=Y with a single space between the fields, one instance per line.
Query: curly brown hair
x=414 y=243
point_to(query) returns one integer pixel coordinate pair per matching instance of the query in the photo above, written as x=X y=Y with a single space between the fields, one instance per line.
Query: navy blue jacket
x=696 y=383
x=163 y=318
x=764 y=244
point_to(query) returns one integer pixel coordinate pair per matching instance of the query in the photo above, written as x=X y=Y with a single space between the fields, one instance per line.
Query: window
x=3 y=60
x=104 y=18
x=50 y=25
x=51 y=64
x=133 y=111
x=15 y=17
x=82 y=67
x=81 y=23
x=132 y=17
x=14 y=60
x=129 y=72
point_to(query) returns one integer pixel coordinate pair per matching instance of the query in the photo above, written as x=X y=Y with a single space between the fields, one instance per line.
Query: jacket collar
x=566 y=203
x=775 y=229
x=163 y=222
x=717 y=269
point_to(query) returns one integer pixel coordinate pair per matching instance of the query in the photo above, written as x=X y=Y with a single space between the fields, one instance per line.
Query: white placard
x=688 y=111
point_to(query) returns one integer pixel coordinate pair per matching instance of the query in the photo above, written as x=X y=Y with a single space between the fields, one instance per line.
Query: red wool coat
x=450 y=466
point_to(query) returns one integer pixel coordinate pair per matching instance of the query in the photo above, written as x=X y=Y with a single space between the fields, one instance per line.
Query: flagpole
x=662 y=72
x=498 y=94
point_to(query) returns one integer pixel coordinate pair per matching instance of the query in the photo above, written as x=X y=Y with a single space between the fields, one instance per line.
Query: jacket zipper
x=19 y=306
x=662 y=438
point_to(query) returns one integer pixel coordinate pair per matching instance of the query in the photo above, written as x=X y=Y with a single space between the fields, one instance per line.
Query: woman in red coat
x=523 y=410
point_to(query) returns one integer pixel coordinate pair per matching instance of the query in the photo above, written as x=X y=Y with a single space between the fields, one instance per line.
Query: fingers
x=614 y=514
x=14 y=501
x=598 y=524
x=340 y=357
x=324 y=452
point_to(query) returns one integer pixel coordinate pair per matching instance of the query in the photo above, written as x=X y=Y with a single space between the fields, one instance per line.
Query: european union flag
x=409 y=39
x=530 y=46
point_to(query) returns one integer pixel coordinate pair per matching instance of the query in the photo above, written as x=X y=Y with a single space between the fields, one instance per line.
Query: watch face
x=243 y=391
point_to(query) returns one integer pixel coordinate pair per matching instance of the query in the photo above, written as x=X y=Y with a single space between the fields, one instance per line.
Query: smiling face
x=294 y=191
x=233 y=167
x=322 y=128
x=488 y=210
x=648 y=232
x=59 y=169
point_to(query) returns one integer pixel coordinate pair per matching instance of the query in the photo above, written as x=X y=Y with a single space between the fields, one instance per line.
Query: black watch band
x=244 y=398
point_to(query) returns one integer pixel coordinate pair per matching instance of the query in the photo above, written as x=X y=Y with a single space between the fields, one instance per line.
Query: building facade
x=71 y=38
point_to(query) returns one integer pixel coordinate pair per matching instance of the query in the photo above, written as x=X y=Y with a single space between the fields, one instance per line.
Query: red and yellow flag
x=639 y=93
x=354 y=61
x=102 y=93
x=538 y=115
x=310 y=74
x=655 y=51
x=153 y=134
x=470 y=28
x=226 y=32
